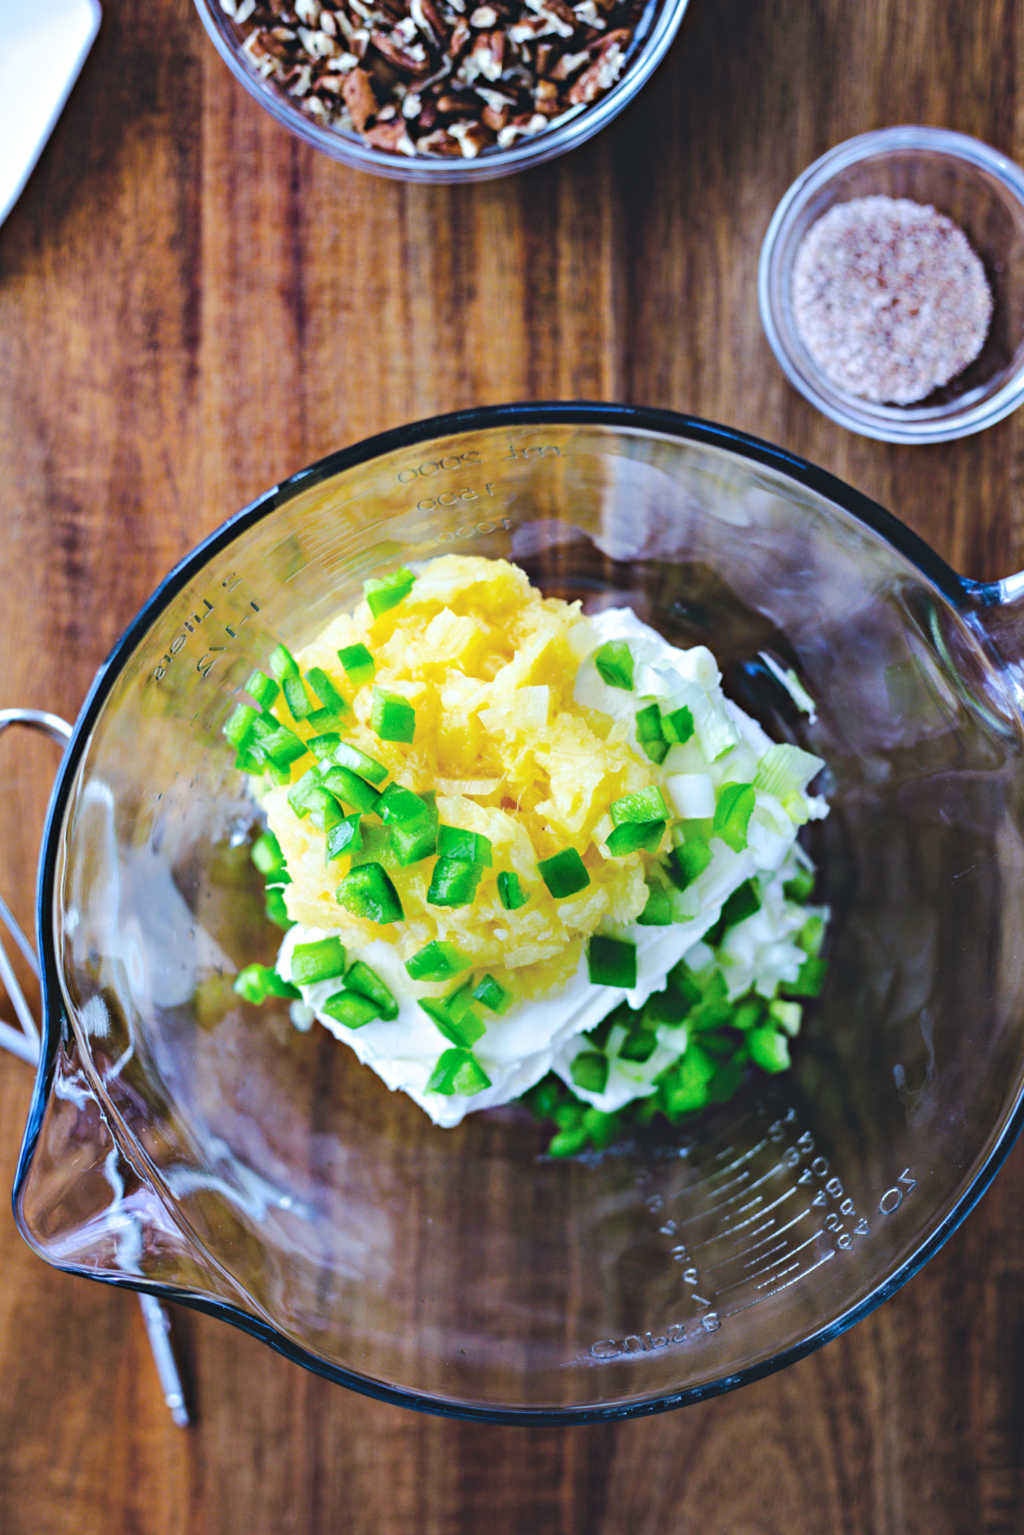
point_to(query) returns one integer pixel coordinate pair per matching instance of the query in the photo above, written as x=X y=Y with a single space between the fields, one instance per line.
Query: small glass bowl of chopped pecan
x=443 y=90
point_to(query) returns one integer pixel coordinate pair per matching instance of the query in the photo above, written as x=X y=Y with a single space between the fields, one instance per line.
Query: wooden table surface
x=193 y=304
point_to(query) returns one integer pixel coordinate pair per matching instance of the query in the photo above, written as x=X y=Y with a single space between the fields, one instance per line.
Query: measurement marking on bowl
x=825 y=1257
x=774 y=1235
x=732 y=1230
x=202 y=612
x=734 y=1235
x=454 y=463
x=747 y=1280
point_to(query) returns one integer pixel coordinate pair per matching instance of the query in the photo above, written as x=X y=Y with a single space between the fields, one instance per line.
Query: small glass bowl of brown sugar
x=891 y=285
x=443 y=90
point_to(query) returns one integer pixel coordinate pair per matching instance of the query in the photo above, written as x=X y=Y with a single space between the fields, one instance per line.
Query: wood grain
x=192 y=305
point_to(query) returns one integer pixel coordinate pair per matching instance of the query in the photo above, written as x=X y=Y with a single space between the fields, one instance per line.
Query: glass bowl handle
x=24 y=1042
x=999 y=608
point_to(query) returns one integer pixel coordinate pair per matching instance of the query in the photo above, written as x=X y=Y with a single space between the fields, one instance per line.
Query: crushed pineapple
x=489 y=666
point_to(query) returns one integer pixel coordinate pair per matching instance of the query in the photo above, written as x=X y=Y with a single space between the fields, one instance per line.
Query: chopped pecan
x=450 y=106
x=598 y=76
x=360 y=99
x=546 y=98
x=410 y=60
x=439 y=143
x=567 y=65
x=438 y=77
x=560 y=9
x=459 y=38
x=471 y=138
x=387 y=136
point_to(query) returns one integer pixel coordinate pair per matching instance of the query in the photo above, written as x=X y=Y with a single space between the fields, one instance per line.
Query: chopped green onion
x=744 y=901
x=590 y=1071
x=267 y=855
x=711 y=1014
x=633 y=835
x=436 y=962
x=282 y=663
x=685 y=1089
x=567 y=1142
x=732 y=814
x=464 y=1030
x=238 y=727
x=296 y=697
x=611 y=962
x=263 y=688
x=323 y=747
x=786 y=1016
x=812 y=935
x=768 y=1049
x=669 y=1008
x=810 y=979
x=391 y=717
x=384 y=592
x=358 y=663
x=800 y=887
x=639 y=1045
x=351 y=1008
x=325 y=690
x=317 y=961
x=747 y=1016
x=454 y=882
x=678 y=725
x=367 y=892
x=650 y=733
x=351 y=789
x=785 y=769
x=688 y=861
x=727 y=1078
x=601 y=1127
x=491 y=994
x=258 y=982
x=614 y=661
x=544 y=1097
x=510 y=891
x=458 y=1071
x=345 y=837
x=658 y=911
x=642 y=805
x=470 y=846
x=565 y=874
x=361 y=978
x=276 y=909
x=350 y=756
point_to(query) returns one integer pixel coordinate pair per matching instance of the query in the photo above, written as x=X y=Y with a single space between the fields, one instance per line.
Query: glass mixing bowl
x=185 y=1144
